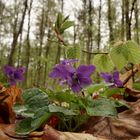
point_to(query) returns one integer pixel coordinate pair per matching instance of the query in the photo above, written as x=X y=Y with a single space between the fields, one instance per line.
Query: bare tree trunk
x=123 y=22
x=128 y=17
x=90 y=33
x=19 y=51
x=128 y=35
x=16 y=35
x=99 y=26
x=28 y=47
x=47 y=49
x=137 y=23
x=110 y=22
x=42 y=31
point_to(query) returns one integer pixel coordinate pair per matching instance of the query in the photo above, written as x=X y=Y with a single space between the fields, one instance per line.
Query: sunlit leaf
x=66 y=25
x=117 y=56
x=103 y=62
x=96 y=87
x=125 y=52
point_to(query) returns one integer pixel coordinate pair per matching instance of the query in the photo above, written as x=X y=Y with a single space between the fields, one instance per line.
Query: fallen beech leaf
x=3 y=96
x=8 y=97
x=133 y=92
x=124 y=76
x=9 y=130
x=52 y=134
x=3 y=135
x=125 y=127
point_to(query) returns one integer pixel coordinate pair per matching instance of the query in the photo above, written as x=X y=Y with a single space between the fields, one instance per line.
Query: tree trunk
x=110 y=22
x=28 y=47
x=128 y=33
x=19 y=52
x=89 y=32
x=128 y=17
x=137 y=23
x=99 y=26
x=123 y=21
x=42 y=31
x=47 y=49
x=16 y=35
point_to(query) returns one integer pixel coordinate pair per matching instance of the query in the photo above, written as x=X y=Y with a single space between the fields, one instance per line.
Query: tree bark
x=136 y=10
x=16 y=35
x=42 y=32
x=127 y=24
x=89 y=32
x=28 y=47
x=99 y=26
x=110 y=22
x=128 y=17
x=47 y=49
x=123 y=21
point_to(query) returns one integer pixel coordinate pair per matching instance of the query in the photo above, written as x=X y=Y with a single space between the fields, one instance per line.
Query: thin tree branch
x=95 y=52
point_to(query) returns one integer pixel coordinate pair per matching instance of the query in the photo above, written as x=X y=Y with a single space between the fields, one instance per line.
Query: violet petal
x=107 y=77
x=76 y=88
x=84 y=80
x=86 y=70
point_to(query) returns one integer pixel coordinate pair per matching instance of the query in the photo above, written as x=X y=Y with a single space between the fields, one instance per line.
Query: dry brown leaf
x=124 y=76
x=52 y=134
x=125 y=127
x=133 y=92
x=3 y=135
x=8 y=96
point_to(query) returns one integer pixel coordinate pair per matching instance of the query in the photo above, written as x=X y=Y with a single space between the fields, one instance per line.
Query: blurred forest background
x=27 y=36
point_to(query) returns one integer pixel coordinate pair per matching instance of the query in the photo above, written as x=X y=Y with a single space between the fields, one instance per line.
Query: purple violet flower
x=14 y=74
x=112 y=78
x=62 y=71
x=81 y=77
x=75 y=78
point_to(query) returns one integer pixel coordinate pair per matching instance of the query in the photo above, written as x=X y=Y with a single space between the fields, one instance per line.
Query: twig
x=56 y=42
x=95 y=52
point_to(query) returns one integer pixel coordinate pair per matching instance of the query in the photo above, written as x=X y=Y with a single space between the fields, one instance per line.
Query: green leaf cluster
x=35 y=110
x=125 y=52
x=120 y=54
x=39 y=105
x=62 y=23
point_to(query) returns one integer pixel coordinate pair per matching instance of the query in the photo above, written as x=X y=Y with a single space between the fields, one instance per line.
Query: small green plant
x=68 y=109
